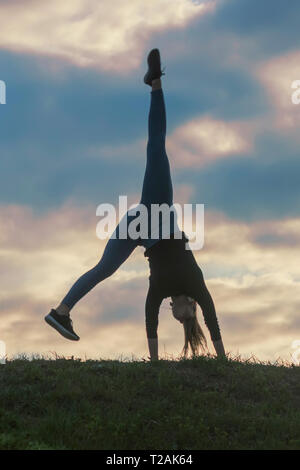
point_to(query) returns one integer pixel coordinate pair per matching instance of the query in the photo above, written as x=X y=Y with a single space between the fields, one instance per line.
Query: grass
x=200 y=403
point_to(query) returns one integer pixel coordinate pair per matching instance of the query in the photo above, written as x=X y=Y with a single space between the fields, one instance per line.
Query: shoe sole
x=58 y=327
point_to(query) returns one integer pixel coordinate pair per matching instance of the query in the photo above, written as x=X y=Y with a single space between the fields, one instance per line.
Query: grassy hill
x=201 y=403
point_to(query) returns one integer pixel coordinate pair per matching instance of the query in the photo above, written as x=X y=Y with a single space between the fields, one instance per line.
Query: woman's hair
x=194 y=337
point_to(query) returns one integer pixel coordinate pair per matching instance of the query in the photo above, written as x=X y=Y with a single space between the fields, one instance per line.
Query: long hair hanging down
x=193 y=335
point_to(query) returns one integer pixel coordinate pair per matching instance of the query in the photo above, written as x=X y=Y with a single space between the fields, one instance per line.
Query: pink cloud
x=255 y=286
x=204 y=140
x=277 y=75
x=92 y=33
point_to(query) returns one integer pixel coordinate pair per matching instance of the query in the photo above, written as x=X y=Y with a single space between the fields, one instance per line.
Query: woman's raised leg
x=157 y=185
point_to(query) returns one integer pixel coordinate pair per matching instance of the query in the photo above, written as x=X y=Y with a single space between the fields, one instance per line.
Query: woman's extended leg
x=115 y=253
x=157 y=185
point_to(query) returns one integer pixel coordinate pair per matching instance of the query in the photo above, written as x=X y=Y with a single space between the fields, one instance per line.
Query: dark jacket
x=174 y=271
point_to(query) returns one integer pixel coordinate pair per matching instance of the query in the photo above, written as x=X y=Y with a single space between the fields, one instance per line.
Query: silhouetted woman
x=174 y=271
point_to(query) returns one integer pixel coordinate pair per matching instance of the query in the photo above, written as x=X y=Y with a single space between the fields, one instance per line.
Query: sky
x=73 y=135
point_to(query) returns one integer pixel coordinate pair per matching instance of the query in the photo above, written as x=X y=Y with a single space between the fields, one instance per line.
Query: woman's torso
x=172 y=267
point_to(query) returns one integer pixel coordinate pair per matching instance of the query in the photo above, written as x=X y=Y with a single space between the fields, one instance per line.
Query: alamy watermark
x=296 y=94
x=2 y=92
x=156 y=222
x=2 y=352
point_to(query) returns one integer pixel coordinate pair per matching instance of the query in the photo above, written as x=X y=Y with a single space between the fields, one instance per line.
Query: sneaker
x=63 y=324
x=154 y=68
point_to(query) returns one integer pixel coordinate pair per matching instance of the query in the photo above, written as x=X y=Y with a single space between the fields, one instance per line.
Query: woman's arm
x=153 y=302
x=153 y=348
x=219 y=347
x=205 y=301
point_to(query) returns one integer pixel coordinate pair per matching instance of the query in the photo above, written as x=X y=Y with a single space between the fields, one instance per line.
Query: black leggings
x=157 y=189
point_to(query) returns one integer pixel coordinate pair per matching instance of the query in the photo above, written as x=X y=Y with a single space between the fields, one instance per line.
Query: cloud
x=234 y=139
x=250 y=246
x=255 y=285
x=203 y=140
x=108 y=35
x=199 y=142
x=41 y=256
x=84 y=135
x=183 y=193
x=277 y=75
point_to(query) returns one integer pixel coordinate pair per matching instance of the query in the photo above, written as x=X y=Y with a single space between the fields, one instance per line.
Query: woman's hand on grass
x=153 y=348
x=219 y=347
